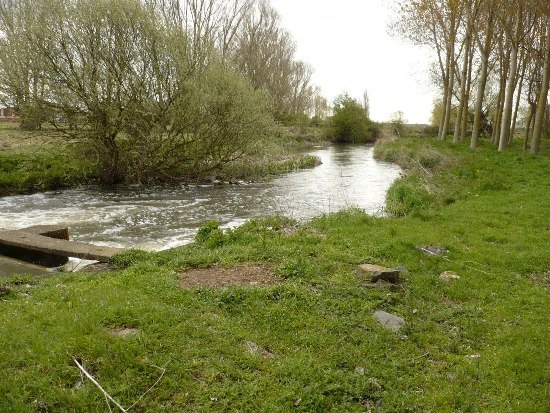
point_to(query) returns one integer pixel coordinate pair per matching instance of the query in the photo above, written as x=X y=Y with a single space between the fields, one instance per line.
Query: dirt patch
x=219 y=277
x=541 y=280
x=123 y=332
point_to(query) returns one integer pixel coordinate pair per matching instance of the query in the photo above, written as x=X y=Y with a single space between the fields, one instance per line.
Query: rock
x=360 y=371
x=374 y=273
x=389 y=321
x=449 y=276
x=433 y=250
x=402 y=270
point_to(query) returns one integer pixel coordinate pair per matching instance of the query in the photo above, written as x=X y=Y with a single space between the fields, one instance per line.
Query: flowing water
x=165 y=217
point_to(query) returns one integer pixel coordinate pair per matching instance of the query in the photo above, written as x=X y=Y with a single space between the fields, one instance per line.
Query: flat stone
x=374 y=273
x=433 y=250
x=389 y=321
x=449 y=276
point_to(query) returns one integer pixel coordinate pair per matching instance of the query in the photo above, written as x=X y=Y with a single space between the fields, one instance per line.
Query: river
x=165 y=217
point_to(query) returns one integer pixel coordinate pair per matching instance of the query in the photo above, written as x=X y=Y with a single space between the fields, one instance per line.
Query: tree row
x=492 y=65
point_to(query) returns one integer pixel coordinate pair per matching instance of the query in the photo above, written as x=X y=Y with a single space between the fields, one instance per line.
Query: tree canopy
x=350 y=122
x=153 y=89
x=491 y=59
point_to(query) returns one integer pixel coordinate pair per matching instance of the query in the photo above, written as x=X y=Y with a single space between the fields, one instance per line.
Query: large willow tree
x=117 y=76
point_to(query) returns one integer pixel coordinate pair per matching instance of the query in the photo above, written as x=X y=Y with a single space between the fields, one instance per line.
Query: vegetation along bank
x=473 y=297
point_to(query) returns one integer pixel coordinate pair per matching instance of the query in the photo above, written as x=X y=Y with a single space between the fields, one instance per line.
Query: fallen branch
x=150 y=388
x=90 y=377
x=108 y=397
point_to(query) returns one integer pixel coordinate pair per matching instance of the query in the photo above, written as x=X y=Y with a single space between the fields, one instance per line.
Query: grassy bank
x=40 y=160
x=46 y=160
x=309 y=343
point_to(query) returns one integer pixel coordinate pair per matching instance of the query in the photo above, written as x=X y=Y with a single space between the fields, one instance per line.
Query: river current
x=165 y=217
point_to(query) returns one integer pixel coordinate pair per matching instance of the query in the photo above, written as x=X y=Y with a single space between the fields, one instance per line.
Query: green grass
x=26 y=172
x=32 y=161
x=488 y=209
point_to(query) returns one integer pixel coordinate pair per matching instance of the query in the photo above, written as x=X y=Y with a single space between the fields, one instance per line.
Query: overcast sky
x=347 y=43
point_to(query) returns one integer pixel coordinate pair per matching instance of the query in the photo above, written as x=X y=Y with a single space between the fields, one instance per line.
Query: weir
x=49 y=246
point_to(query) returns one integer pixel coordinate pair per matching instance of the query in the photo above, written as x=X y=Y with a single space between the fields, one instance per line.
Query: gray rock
x=433 y=250
x=389 y=321
x=374 y=273
x=402 y=270
x=449 y=276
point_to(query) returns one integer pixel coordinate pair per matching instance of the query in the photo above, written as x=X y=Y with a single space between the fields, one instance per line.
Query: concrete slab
x=30 y=245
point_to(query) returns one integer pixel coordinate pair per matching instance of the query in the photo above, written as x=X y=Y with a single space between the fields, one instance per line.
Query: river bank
x=45 y=160
x=163 y=217
x=309 y=342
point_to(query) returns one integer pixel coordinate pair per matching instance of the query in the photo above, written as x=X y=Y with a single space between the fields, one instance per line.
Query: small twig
x=150 y=388
x=107 y=395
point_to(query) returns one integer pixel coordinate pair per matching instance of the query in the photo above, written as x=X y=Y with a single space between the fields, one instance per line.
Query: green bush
x=350 y=123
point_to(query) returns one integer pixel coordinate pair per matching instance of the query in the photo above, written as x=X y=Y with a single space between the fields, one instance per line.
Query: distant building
x=7 y=114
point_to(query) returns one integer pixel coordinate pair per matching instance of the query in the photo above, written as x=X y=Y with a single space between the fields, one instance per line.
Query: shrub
x=350 y=123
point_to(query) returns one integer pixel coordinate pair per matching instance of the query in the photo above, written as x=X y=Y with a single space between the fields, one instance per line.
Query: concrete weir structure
x=49 y=246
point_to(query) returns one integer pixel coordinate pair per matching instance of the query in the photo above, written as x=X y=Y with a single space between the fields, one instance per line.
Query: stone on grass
x=433 y=250
x=4 y=291
x=375 y=273
x=360 y=370
x=389 y=321
x=449 y=276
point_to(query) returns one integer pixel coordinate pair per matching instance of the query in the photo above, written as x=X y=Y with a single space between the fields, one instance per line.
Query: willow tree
x=265 y=52
x=22 y=76
x=145 y=107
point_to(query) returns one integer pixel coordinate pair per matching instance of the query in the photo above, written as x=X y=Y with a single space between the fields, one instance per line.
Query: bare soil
x=123 y=331
x=219 y=277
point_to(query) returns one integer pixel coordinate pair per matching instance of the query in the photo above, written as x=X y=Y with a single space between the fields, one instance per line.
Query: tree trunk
x=463 y=103
x=543 y=95
x=448 y=105
x=466 y=112
x=528 y=130
x=499 y=108
x=518 y=100
x=446 y=92
x=482 y=83
x=509 y=100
